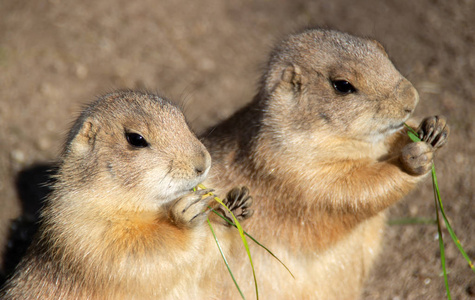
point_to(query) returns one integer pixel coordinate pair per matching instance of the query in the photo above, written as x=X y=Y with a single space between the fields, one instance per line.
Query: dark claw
x=441 y=140
x=238 y=201
x=204 y=192
x=434 y=131
x=200 y=194
x=426 y=129
x=247 y=214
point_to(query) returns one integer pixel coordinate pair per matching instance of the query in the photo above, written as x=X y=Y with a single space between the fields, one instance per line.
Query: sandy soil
x=57 y=55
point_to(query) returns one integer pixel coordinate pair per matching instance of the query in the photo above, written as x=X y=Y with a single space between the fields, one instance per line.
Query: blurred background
x=56 y=56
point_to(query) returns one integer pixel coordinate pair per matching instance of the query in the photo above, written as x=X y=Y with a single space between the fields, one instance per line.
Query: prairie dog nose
x=202 y=162
x=408 y=95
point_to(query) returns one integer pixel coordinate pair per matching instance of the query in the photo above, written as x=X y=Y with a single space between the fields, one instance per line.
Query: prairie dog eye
x=343 y=87
x=136 y=140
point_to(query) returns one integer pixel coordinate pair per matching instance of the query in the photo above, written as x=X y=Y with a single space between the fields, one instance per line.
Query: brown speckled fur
x=322 y=165
x=112 y=228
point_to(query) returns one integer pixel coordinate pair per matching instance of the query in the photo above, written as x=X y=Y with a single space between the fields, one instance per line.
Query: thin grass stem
x=224 y=258
x=439 y=207
x=255 y=241
x=243 y=237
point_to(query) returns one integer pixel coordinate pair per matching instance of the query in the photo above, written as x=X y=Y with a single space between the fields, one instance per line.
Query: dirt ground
x=57 y=55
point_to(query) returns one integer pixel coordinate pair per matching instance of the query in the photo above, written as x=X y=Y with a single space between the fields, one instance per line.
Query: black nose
x=202 y=162
x=199 y=170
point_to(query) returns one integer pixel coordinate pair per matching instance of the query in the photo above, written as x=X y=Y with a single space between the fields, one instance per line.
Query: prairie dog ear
x=292 y=75
x=381 y=47
x=84 y=140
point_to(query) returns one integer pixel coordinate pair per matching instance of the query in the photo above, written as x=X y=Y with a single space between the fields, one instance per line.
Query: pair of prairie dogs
x=321 y=147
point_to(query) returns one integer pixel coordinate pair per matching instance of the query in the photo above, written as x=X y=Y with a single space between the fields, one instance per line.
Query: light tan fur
x=122 y=222
x=322 y=165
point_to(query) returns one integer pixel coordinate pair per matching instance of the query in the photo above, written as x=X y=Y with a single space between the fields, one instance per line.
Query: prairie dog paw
x=190 y=210
x=239 y=201
x=434 y=131
x=416 y=158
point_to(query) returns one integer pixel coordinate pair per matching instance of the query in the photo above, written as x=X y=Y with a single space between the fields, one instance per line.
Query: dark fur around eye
x=343 y=87
x=136 y=140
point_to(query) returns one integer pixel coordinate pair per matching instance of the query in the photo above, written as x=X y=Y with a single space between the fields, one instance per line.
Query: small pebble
x=459 y=158
x=81 y=71
x=413 y=210
x=44 y=144
x=18 y=156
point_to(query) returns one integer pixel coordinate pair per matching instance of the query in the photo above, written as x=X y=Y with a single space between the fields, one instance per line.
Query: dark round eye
x=343 y=86
x=136 y=140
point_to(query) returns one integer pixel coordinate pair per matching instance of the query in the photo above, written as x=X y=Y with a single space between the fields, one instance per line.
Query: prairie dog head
x=322 y=81
x=136 y=147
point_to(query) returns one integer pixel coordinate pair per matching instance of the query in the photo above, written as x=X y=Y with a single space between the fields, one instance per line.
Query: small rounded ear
x=85 y=137
x=381 y=47
x=292 y=74
x=292 y=78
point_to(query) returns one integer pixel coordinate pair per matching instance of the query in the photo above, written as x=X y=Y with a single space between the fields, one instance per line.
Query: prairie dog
x=323 y=148
x=122 y=221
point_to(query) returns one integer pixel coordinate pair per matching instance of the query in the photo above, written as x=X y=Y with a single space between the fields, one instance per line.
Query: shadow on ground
x=33 y=186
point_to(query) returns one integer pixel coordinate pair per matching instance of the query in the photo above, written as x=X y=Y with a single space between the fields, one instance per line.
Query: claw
x=441 y=140
x=238 y=201
x=204 y=192
x=434 y=131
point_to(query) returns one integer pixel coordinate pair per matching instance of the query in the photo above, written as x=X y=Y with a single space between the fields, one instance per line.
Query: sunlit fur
x=322 y=166
x=106 y=231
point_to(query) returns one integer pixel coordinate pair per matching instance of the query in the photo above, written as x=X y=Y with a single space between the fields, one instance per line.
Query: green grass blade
x=441 y=247
x=447 y=223
x=413 y=136
x=255 y=241
x=243 y=237
x=438 y=206
x=224 y=258
x=412 y=133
